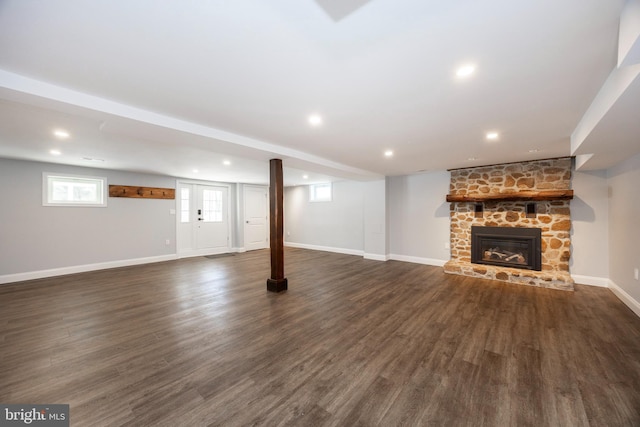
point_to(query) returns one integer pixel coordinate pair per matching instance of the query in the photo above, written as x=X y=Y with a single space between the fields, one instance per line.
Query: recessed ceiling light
x=465 y=70
x=492 y=136
x=226 y=162
x=388 y=153
x=534 y=150
x=61 y=134
x=315 y=120
x=305 y=176
x=472 y=159
x=195 y=171
x=55 y=152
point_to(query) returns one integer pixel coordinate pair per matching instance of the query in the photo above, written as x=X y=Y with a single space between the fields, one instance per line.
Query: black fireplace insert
x=516 y=247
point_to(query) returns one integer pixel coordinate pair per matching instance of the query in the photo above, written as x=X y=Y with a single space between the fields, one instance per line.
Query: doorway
x=256 y=218
x=203 y=220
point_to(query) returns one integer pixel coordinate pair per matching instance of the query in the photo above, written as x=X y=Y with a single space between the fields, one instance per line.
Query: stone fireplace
x=512 y=222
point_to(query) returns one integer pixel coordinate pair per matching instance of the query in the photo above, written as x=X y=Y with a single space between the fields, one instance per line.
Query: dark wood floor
x=199 y=342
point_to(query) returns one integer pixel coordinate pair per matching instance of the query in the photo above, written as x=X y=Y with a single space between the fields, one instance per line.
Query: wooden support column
x=277 y=282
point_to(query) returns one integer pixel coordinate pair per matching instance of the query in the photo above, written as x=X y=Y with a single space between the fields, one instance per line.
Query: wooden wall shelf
x=141 y=192
x=521 y=196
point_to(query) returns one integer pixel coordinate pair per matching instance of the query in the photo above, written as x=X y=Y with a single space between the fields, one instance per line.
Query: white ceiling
x=167 y=86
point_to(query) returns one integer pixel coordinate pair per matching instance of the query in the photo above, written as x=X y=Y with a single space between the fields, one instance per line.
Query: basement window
x=73 y=190
x=320 y=192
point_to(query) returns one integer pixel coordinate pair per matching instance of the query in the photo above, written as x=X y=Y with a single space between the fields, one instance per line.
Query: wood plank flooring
x=353 y=342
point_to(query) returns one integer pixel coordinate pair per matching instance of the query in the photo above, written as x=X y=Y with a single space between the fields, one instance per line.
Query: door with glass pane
x=211 y=222
x=203 y=223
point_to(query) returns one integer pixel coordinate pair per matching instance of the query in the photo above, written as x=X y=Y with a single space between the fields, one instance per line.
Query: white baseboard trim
x=625 y=297
x=602 y=282
x=419 y=260
x=324 y=248
x=238 y=250
x=376 y=257
x=31 y=275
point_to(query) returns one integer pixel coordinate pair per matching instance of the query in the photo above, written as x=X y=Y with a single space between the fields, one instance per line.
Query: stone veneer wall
x=553 y=217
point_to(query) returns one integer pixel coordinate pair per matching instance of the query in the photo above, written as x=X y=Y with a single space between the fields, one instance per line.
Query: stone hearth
x=553 y=217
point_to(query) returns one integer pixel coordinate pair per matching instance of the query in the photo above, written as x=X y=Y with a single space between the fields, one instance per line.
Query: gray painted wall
x=419 y=215
x=418 y=219
x=374 y=217
x=624 y=228
x=34 y=237
x=355 y=220
x=590 y=222
x=335 y=224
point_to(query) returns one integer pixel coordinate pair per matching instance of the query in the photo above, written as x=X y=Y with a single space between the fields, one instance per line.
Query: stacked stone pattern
x=553 y=217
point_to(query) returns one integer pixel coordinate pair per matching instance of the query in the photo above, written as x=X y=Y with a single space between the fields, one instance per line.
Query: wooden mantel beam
x=521 y=196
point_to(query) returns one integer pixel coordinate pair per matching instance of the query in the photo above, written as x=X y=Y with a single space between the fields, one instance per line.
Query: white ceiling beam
x=629 y=34
x=612 y=89
x=24 y=85
x=595 y=138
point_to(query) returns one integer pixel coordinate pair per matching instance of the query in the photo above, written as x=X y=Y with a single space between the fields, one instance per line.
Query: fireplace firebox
x=516 y=247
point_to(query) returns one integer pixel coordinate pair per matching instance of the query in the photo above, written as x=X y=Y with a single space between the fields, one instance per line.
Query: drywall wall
x=36 y=238
x=414 y=223
x=589 y=262
x=419 y=217
x=417 y=220
x=336 y=225
x=624 y=229
x=375 y=211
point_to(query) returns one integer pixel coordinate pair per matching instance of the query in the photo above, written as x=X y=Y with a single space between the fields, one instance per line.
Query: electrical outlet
x=635 y=273
x=447 y=245
x=167 y=242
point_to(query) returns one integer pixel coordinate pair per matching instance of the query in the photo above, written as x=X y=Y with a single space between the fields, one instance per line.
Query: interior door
x=212 y=219
x=256 y=214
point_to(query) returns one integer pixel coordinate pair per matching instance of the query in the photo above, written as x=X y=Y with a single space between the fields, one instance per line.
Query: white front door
x=212 y=227
x=256 y=215
x=203 y=223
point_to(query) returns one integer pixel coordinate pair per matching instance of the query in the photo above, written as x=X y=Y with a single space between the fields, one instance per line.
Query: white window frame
x=47 y=190
x=313 y=190
x=212 y=213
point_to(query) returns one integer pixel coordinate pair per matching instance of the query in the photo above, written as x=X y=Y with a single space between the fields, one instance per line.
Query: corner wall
x=335 y=226
x=419 y=218
x=624 y=231
x=590 y=228
x=36 y=240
